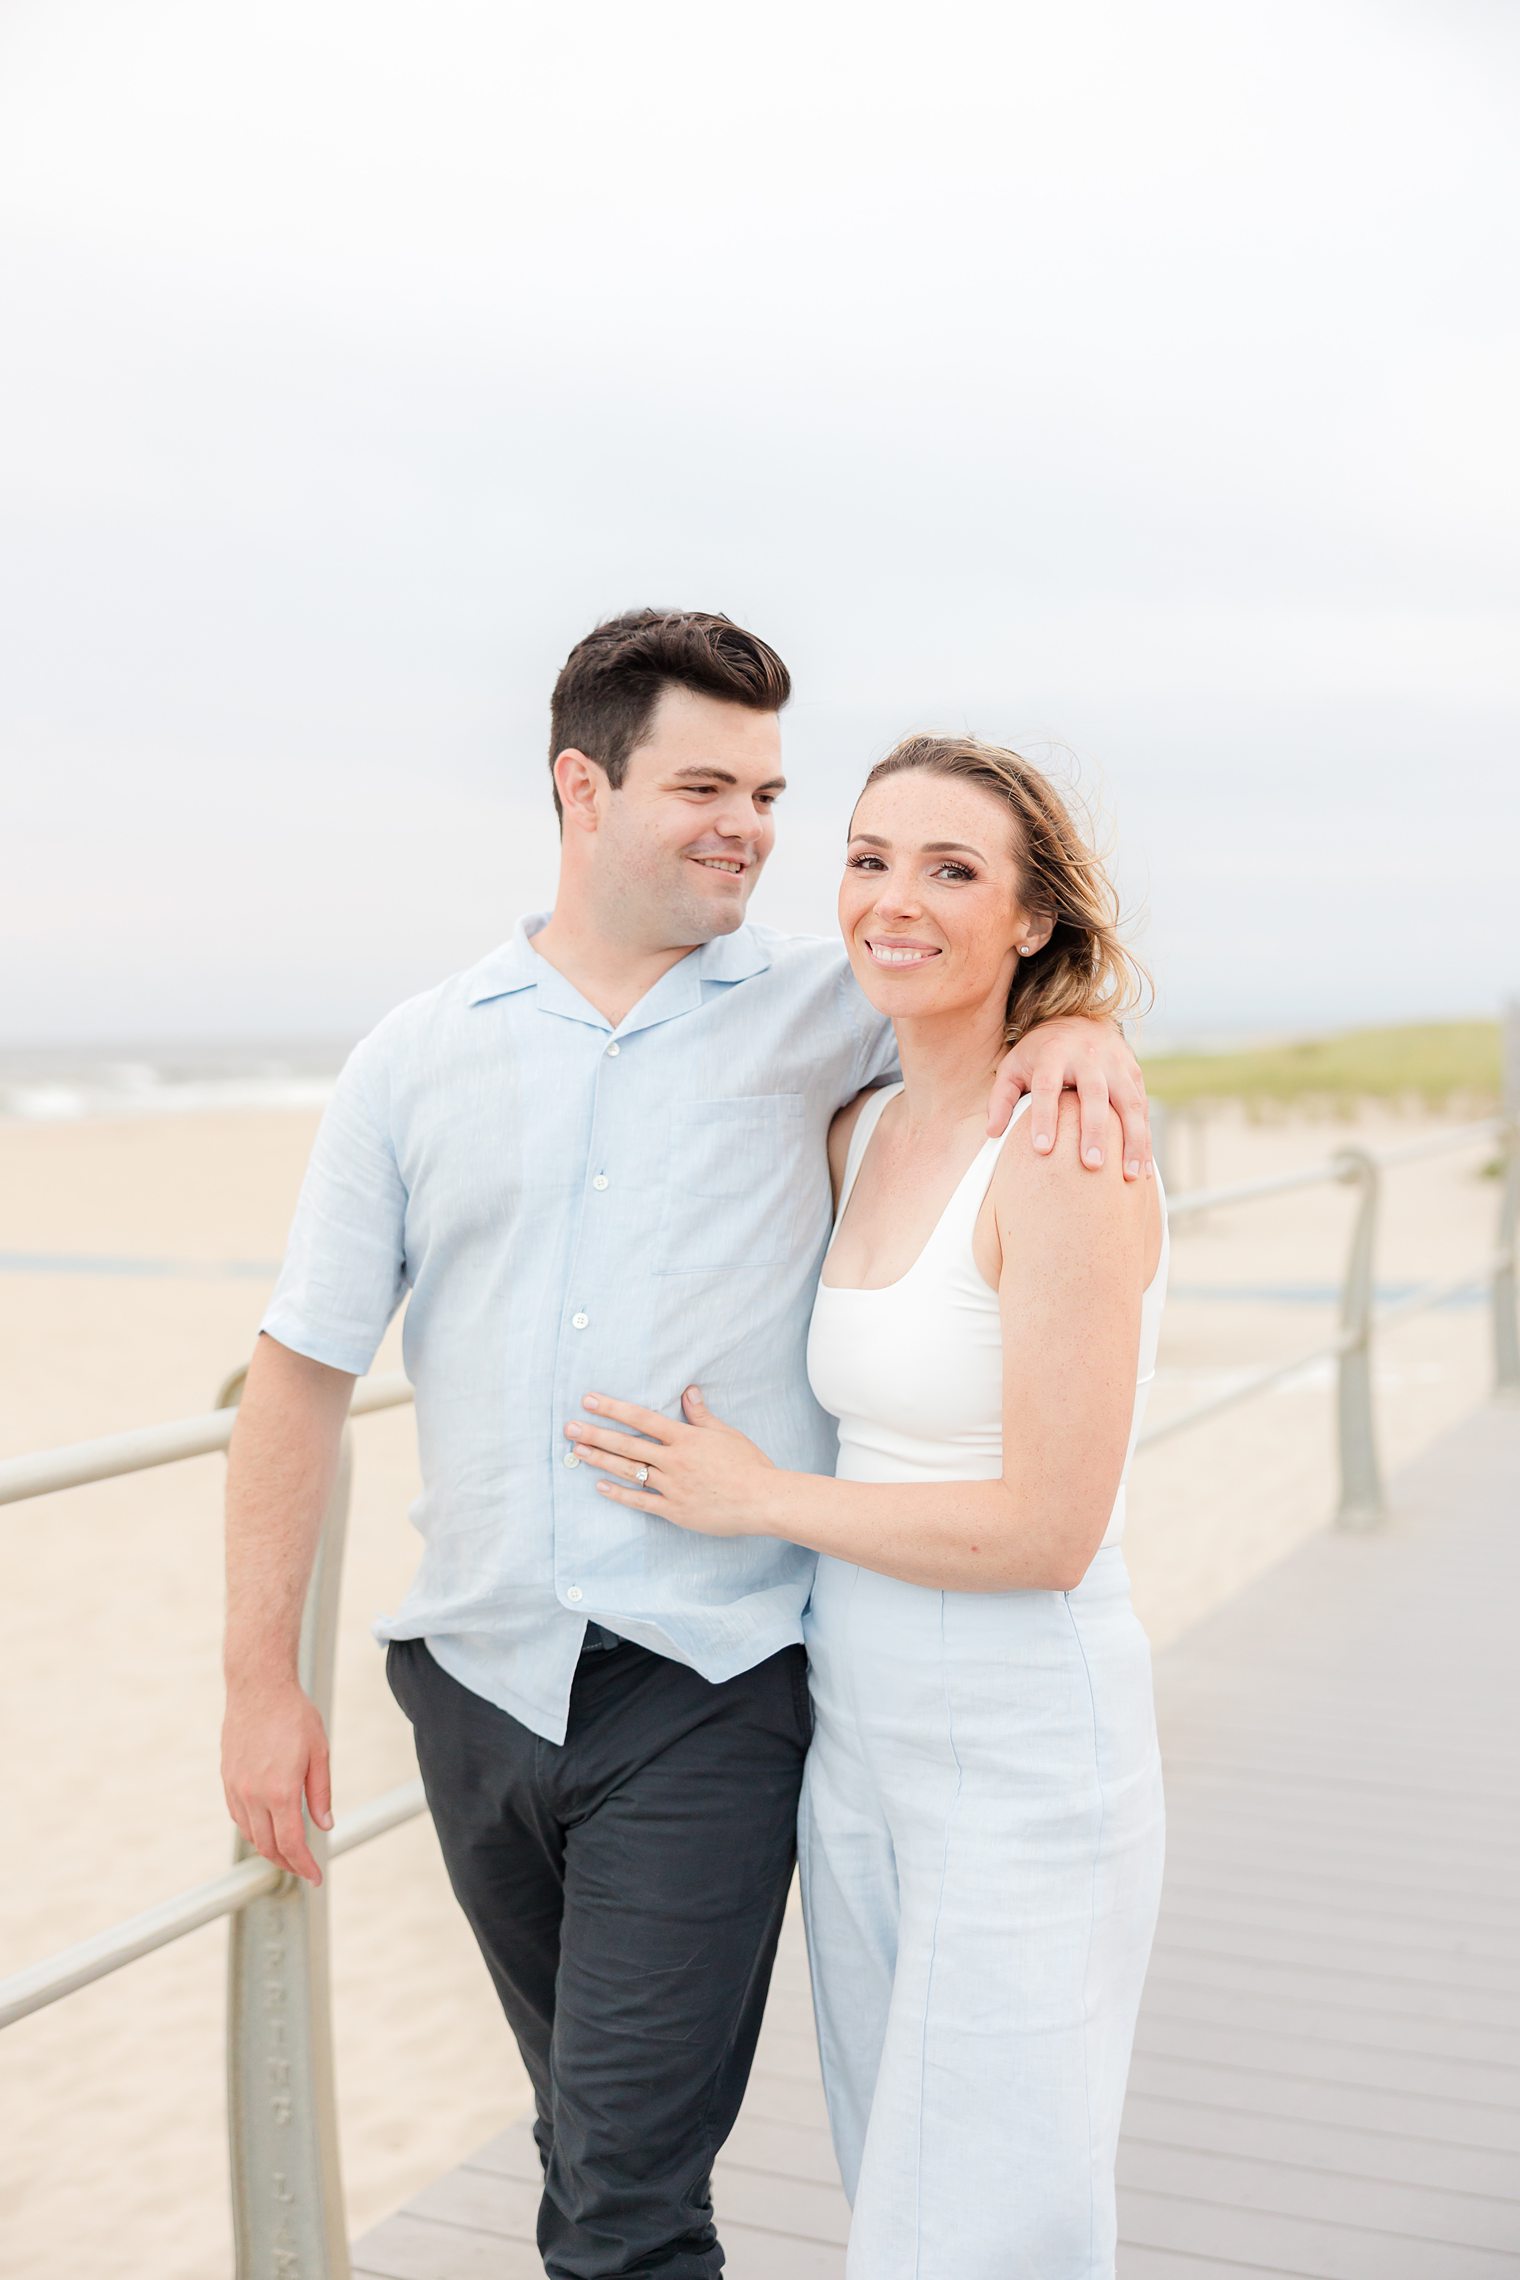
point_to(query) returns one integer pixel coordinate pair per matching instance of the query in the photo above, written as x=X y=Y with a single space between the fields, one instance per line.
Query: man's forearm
x=281 y=1465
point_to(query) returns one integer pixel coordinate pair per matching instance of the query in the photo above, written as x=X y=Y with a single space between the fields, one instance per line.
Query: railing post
x=1361 y=1501
x=288 y=2213
x=1506 y=1328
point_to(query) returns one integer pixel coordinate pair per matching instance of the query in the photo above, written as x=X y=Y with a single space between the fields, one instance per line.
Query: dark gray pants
x=626 y=1889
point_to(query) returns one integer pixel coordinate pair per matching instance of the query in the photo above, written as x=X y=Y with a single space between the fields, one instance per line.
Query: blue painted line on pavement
x=1311 y=1294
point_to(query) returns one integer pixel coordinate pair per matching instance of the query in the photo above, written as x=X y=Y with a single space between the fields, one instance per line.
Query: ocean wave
x=53 y=1090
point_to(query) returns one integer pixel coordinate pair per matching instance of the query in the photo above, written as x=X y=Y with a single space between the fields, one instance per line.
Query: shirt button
x=575 y=1594
x=571 y=1459
x=600 y=1181
x=613 y=1050
x=580 y=1320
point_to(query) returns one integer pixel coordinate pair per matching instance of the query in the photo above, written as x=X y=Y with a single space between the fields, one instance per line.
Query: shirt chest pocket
x=738 y=1183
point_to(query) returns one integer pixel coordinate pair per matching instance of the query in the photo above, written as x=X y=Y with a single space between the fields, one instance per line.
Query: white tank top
x=914 y=1370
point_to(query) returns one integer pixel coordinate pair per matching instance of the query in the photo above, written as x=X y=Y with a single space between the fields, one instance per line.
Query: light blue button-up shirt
x=575 y=1208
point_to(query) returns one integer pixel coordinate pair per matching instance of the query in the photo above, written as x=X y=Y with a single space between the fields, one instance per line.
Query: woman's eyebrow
x=930 y=846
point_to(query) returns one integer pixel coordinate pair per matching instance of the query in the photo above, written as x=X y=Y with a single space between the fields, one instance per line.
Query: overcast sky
x=1135 y=383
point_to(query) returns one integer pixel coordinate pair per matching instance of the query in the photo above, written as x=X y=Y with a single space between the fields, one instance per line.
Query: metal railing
x=287 y=2197
x=1361 y=1488
x=286 y=2178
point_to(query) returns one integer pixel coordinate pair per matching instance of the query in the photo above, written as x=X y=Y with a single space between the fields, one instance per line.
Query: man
x=595 y=1159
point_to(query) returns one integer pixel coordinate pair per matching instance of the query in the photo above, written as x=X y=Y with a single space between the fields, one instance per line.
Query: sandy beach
x=136 y=1256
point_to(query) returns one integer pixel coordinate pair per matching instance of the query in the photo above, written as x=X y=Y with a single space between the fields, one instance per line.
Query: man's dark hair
x=610 y=683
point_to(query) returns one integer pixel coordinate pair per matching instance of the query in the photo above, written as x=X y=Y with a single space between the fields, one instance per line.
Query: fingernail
x=575 y=1431
x=1132 y=1168
x=590 y=1402
x=693 y=1393
x=1094 y=1156
x=1044 y=1143
x=325 y=1819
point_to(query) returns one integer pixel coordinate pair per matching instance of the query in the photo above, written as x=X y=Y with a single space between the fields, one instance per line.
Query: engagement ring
x=641 y=1474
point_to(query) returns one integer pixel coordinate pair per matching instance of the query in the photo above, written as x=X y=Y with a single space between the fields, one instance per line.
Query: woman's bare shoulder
x=1018 y=1159
x=1059 y=1193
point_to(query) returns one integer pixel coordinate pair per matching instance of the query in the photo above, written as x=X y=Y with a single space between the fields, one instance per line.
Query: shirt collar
x=516 y=965
x=513 y=965
x=733 y=957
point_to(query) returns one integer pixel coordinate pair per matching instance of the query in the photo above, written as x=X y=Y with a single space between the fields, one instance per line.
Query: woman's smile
x=888 y=950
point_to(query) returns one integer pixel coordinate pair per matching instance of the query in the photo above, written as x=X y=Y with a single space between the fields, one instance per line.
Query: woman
x=982 y=1825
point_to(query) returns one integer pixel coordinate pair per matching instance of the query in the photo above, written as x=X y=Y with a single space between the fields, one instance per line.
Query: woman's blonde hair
x=1084 y=967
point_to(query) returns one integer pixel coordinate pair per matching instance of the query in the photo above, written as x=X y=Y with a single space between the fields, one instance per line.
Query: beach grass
x=1426 y=1065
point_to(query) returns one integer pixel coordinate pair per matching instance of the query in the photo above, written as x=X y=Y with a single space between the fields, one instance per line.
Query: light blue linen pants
x=981 y=1844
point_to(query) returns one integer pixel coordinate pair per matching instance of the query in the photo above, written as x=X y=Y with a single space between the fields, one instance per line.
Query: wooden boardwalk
x=1327 y=2073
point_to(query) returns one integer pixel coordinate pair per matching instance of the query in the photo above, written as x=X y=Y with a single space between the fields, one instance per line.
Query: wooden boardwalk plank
x=1251 y=2047
x=408 y=2247
x=794 y=2149
x=1344 y=2148
x=1394 y=2113
x=1289 y=1931
x=484 y=2199
x=1326 y=2082
x=1415 y=2212
x=1176 y=2264
x=1298 y=2245
x=1374 y=2015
